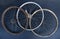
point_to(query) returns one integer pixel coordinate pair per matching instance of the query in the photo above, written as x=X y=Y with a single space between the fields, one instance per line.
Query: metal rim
x=3 y=19
x=18 y=13
x=56 y=23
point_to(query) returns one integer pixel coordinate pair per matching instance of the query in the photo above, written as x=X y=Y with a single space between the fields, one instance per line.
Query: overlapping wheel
x=39 y=22
x=29 y=15
x=9 y=20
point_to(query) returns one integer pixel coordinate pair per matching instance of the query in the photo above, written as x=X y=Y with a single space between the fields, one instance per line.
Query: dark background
x=54 y=5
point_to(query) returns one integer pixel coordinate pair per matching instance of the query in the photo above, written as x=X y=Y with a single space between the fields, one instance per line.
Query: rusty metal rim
x=4 y=15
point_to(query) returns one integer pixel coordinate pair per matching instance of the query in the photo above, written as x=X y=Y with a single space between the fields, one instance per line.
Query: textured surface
x=53 y=5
